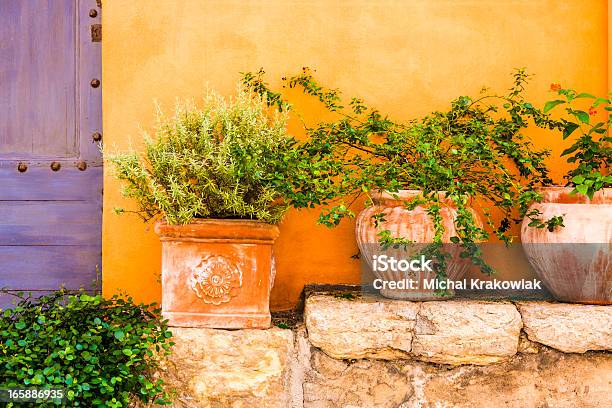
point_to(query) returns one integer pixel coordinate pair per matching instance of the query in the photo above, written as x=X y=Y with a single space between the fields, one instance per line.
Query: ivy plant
x=100 y=352
x=476 y=151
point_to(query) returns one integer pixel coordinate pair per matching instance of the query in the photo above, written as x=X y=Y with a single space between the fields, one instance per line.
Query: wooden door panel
x=89 y=67
x=37 y=78
x=47 y=267
x=49 y=223
x=50 y=108
x=41 y=183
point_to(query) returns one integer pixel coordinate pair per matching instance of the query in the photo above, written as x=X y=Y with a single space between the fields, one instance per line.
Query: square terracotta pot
x=217 y=273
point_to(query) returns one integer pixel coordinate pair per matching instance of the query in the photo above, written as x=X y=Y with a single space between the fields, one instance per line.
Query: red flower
x=592 y=111
x=555 y=87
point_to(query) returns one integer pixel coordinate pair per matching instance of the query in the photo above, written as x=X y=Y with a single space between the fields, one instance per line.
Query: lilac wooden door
x=50 y=123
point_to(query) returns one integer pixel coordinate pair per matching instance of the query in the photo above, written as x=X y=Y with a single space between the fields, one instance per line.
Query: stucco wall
x=405 y=57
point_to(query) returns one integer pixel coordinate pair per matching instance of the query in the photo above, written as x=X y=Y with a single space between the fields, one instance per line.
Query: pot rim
x=214 y=229
x=213 y=220
x=561 y=195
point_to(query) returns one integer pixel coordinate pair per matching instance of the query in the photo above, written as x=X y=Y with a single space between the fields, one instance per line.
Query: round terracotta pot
x=415 y=225
x=217 y=273
x=575 y=261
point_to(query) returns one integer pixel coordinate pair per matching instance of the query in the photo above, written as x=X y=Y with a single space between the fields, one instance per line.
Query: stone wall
x=374 y=352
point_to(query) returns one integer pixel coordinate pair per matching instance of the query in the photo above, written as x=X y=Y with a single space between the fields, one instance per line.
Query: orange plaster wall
x=405 y=57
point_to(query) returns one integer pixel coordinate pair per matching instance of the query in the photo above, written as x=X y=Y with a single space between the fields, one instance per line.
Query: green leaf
x=570 y=127
x=599 y=101
x=581 y=116
x=119 y=335
x=582 y=188
x=570 y=150
x=551 y=104
x=20 y=325
x=585 y=95
x=578 y=179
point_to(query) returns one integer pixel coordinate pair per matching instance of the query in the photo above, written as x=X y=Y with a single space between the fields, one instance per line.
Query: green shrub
x=214 y=161
x=476 y=150
x=590 y=154
x=102 y=352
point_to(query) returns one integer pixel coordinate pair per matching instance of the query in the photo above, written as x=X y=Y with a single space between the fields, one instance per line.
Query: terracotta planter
x=217 y=273
x=415 y=225
x=574 y=262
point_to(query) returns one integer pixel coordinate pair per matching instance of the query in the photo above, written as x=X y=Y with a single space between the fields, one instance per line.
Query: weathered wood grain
x=48 y=267
x=37 y=78
x=50 y=223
